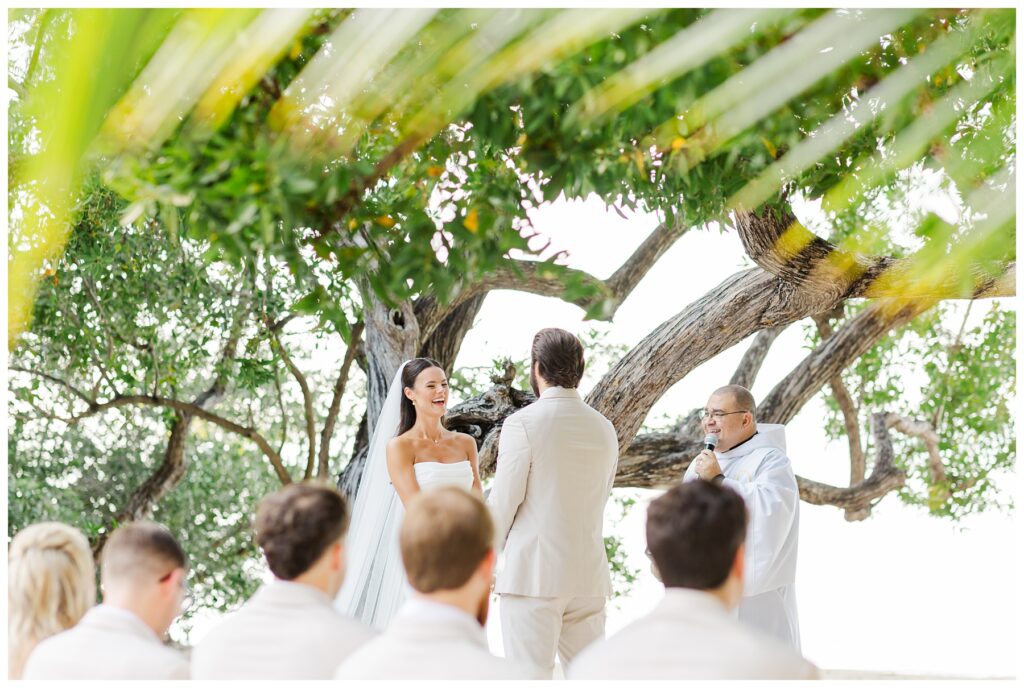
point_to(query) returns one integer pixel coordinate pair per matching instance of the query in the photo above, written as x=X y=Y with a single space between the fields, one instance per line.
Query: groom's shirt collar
x=559 y=393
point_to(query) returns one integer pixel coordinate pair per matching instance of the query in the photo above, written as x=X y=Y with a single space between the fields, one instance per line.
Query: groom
x=556 y=463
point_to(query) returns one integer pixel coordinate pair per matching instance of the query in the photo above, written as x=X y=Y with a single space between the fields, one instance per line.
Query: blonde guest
x=142 y=575
x=51 y=583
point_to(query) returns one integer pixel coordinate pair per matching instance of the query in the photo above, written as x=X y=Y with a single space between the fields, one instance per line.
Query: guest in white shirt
x=446 y=541
x=695 y=535
x=290 y=629
x=142 y=576
x=51 y=584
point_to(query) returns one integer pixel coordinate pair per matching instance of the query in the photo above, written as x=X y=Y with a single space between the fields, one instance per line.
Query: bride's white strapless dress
x=430 y=474
x=375 y=599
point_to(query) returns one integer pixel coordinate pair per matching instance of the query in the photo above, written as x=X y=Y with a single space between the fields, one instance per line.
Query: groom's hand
x=706 y=465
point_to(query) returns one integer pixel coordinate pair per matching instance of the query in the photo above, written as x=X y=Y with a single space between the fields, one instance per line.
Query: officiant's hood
x=768 y=435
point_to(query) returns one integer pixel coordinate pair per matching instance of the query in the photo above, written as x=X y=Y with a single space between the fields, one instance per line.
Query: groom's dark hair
x=295 y=526
x=693 y=533
x=560 y=357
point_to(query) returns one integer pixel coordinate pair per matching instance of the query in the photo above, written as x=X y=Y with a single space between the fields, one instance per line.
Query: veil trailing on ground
x=375 y=583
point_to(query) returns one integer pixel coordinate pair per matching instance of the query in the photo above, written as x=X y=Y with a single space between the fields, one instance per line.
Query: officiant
x=750 y=458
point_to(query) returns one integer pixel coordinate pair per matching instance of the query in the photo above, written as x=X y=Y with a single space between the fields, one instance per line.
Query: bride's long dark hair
x=410 y=372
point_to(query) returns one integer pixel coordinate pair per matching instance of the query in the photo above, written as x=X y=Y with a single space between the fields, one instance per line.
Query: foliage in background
x=962 y=380
x=210 y=203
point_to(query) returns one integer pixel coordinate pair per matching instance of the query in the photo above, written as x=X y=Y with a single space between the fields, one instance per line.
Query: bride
x=409 y=451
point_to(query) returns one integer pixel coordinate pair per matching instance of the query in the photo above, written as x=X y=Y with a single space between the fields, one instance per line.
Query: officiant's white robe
x=690 y=635
x=760 y=471
x=108 y=643
x=429 y=640
x=287 y=630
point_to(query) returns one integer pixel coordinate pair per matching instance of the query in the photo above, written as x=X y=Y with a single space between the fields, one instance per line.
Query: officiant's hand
x=706 y=465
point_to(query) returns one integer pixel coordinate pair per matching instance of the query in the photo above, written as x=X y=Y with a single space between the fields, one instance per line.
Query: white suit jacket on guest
x=690 y=635
x=286 y=630
x=761 y=473
x=429 y=640
x=108 y=643
x=556 y=463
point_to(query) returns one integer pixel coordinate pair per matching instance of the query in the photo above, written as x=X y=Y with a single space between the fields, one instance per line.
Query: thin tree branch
x=750 y=365
x=924 y=431
x=546 y=279
x=954 y=348
x=636 y=267
x=199 y=412
x=284 y=412
x=307 y=400
x=339 y=391
x=53 y=378
x=858 y=461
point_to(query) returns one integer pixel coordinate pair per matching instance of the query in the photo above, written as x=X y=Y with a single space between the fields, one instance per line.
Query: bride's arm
x=400 y=461
x=470 y=445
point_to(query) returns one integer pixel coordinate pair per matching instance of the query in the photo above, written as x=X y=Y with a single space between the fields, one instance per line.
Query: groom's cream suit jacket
x=556 y=463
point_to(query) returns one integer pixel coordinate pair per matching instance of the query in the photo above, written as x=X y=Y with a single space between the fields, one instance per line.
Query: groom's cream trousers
x=556 y=463
x=533 y=628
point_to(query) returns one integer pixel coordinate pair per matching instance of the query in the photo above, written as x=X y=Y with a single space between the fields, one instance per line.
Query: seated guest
x=142 y=576
x=446 y=540
x=290 y=628
x=695 y=534
x=51 y=584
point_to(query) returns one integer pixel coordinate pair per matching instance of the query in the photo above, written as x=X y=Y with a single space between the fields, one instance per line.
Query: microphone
x=710 y=442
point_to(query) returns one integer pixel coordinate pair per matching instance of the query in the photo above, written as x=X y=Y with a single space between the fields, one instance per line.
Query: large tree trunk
x=392 y=337
x=445 y=341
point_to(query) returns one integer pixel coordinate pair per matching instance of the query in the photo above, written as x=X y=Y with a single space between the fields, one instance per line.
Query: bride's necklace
x=437 y=441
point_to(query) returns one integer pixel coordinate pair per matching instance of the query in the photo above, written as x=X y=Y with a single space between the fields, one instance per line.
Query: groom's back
x=555 y=545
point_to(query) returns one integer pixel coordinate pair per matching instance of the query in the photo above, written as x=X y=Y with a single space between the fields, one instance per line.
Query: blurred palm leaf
x=141 y=74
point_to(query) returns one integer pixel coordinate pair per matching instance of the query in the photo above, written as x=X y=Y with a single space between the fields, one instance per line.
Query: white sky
x=901 y=592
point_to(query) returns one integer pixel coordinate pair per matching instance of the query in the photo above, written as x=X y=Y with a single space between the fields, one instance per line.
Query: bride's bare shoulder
x=401 y=443
x=463 y=439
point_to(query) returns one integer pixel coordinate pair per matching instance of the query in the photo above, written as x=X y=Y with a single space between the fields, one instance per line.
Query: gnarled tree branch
x=785 y=248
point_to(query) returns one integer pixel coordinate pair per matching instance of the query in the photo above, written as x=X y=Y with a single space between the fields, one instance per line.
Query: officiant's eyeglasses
x=718 y=415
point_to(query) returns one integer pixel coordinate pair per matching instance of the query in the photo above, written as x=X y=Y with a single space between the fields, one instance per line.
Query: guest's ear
x=169 y=587
x=338 y=555
x=737 y=562
x=486 y=567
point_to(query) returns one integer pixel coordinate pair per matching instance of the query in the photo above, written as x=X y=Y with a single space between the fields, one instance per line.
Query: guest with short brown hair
x=695 y=535
x=289 y=629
